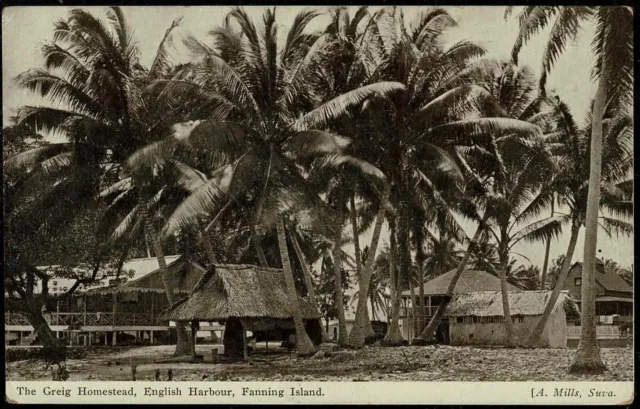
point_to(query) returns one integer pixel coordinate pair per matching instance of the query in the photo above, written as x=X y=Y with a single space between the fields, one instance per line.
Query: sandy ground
x=425 y=363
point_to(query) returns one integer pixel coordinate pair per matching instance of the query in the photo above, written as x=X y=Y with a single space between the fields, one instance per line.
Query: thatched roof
x=489 y=303
x=240 y=291
x=469 y=281
x=184 y=274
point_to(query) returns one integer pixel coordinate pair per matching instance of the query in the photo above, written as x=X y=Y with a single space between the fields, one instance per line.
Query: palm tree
x=523 y=277
x=570 y=144
x=411 y=135
x=613 y=68
x=260 y=121
x=519 y=167
x=93 y=75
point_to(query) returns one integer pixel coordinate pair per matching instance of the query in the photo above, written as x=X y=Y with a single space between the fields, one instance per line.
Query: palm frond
x=541 y=230
x=160 y=65
x=314 y=142
x=454 y=103
x=338 y=106
x=617 y=226
x=34 y=156
x=564 y=28
x=532 y=19
x=472 y=131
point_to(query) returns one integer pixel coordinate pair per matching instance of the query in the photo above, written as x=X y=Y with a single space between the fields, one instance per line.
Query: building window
x=577 y=281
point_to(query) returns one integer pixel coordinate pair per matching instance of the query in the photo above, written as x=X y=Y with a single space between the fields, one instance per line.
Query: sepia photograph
x=264 y=204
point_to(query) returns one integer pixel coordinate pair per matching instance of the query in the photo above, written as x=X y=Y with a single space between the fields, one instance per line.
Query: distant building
x=435 y=290
x=614 y=296
x=109 y=311
x=478 y=318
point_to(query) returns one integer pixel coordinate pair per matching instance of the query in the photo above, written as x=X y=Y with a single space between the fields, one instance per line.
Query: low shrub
x=46 y=354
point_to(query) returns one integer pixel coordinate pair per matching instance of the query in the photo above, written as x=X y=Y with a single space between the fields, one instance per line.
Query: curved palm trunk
x=545 y=265
x=183 y=346
x=255 y=240
x=343 y=336
x=394 y=335
x=308 y=280
x=535 y=335
x=587 y=359
x=504 y=291
x=357 y=335
x=311 y=291
x=353 y=215
x=429 y=331
x=304 y=346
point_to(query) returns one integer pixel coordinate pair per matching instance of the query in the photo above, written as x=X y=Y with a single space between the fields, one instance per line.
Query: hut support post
x=152 y=322
x=57 y=312
x=151 y=337
x=245 y=349
x=194 y=333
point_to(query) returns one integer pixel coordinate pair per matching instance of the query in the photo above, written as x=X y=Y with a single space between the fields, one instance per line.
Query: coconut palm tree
x=96 y=82
x=613 y=68
x=520 y=167
x=411 y=135
x=570 y=145
x=261 y=122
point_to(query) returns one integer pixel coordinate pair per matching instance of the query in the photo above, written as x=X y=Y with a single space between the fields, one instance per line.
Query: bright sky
x=26 y=29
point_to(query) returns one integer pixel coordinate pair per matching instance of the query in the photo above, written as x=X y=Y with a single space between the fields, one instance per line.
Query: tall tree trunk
x=587 y=358
x=183 y=346
x=343 y=336
x=430 y=329
x=353 y=215
x=420 y=262
x=545 y=265
x=208 y=247
x=535 y=335
x=394 y=335
x=255 y=240
x=304 y=346
x=504 y=292
x=414 y=305
x=373 y=307
x=406 y=276
x=357 y=335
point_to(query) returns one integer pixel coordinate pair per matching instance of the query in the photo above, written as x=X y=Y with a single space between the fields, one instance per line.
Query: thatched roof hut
x=239 y=291
x=246 y=298
x=478 y=318
x=489 y=303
